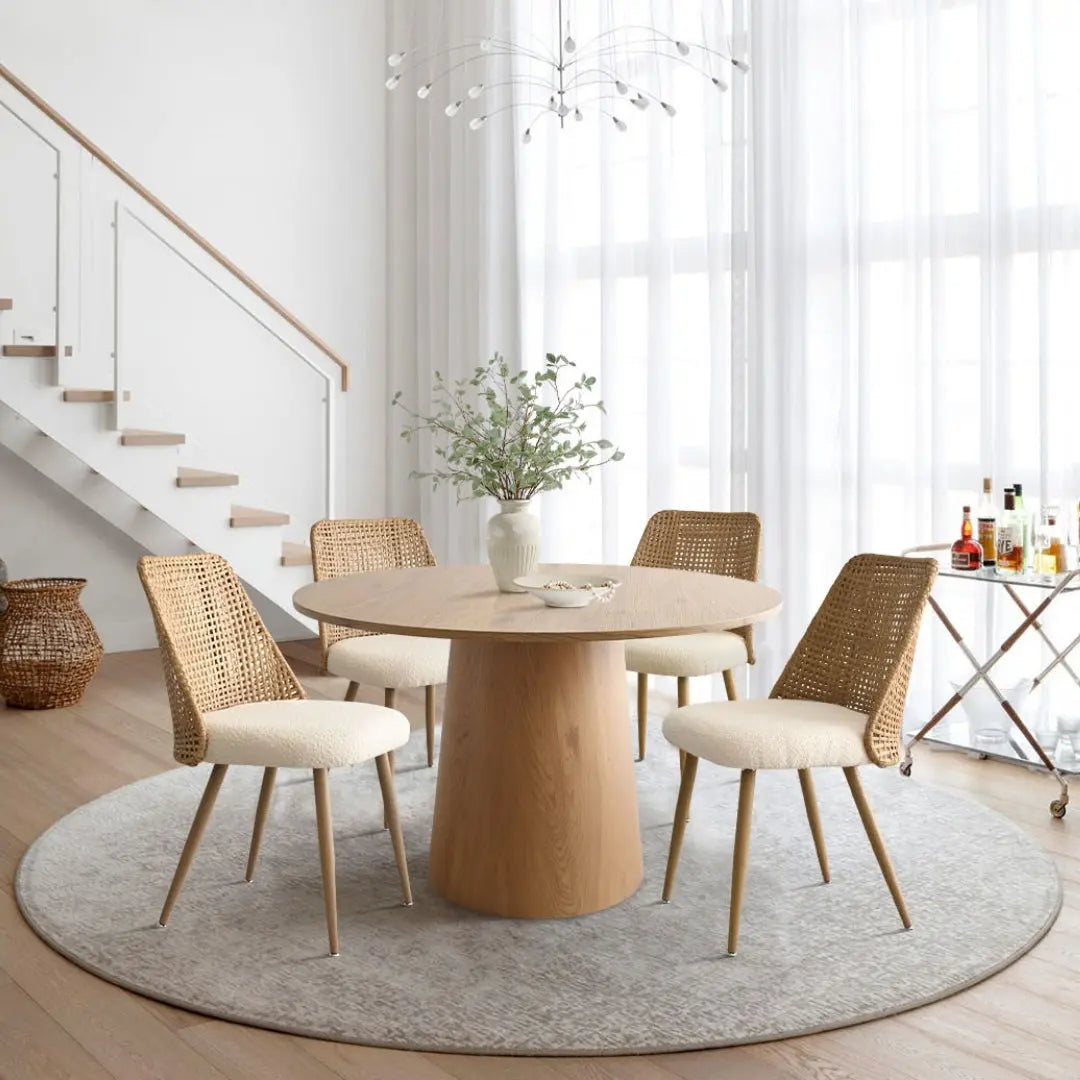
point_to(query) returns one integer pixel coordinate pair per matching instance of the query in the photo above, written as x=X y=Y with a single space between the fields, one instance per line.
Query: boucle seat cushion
x=390 y=660
x=686 y=654
x=769 y=734
x=302 y=734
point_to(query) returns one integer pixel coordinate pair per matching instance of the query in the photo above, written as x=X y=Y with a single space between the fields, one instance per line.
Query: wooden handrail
x=176 y=220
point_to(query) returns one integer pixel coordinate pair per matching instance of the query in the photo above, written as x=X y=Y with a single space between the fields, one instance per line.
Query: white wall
x=44 y=532
x=261 y=122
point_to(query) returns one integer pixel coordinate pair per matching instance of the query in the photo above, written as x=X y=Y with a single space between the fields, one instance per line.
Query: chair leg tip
x=732 y=952
x=665 y=900
x=333 y=955
x=161 y=925
x=406 y=903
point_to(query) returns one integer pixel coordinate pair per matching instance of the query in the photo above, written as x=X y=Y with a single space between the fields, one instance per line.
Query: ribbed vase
x=513 y=543
x=49 y=649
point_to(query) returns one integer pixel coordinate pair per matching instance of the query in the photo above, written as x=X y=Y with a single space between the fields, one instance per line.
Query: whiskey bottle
x=1050 y=547
x=1010 y=538
x=988 y=524
x=966 y=553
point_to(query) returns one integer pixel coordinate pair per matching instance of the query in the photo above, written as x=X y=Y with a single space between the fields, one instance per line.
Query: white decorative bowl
x=577 y=589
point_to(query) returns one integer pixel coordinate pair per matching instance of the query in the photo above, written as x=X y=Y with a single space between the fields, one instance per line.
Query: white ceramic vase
x=513 y=543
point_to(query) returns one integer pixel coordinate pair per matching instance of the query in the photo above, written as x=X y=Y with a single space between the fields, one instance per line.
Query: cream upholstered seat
x=686 y=655
x=770 y=734
x=706 y=542
x=390 y=660
x=394 y=662
x=838 y=702
x=302 y=734
x=235 y=701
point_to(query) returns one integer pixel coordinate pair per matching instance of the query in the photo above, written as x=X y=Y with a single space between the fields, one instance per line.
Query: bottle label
x=1010 y=547
x=986 y=540
x=965 y=560
x=1046 y=562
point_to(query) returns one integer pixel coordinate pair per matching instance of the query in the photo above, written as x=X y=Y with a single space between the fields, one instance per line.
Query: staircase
x=219 y=441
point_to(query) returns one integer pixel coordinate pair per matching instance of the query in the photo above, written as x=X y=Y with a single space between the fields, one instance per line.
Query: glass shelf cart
x=1020 y=746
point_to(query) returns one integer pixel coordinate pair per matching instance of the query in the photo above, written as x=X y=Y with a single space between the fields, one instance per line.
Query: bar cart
x=1025 y=750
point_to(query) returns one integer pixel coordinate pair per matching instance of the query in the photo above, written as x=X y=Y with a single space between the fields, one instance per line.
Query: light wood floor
x=58 y=1021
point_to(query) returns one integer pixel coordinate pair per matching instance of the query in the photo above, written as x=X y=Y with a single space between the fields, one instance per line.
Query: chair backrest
x=215 y=648
x=859 y=647
x=356 y=545
x=710 y=542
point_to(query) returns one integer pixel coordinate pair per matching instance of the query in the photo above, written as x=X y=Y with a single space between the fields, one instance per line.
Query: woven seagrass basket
x=49 y=649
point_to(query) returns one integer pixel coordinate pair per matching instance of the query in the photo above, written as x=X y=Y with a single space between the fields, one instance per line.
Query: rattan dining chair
x=235 y=701
x=709 y=542
x=839 y=702
x=392 y=661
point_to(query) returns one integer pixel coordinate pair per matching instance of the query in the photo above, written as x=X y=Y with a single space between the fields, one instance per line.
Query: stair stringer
x=74 y=448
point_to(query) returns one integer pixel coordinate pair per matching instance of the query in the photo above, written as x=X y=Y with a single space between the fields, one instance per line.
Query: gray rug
x=639 y=978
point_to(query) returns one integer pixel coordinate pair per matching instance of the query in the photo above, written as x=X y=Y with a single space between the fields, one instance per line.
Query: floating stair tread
x=245 y=517
x=295 y=554
x=205 y=478
x=103 y=396
x=6 y=304
x=34 y=350
x=136 y=437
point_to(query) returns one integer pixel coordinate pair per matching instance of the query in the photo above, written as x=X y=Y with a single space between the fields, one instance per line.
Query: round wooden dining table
x=535 y=806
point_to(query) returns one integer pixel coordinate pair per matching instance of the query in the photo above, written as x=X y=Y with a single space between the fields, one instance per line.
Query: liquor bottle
x=1025 y=524
x=988 y=523
x=966 y=553
x=1010 y=538
x=1050 y=549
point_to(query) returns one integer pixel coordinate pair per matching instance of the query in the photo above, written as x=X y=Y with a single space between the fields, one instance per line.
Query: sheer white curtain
x=452 y=249
x=838 y=295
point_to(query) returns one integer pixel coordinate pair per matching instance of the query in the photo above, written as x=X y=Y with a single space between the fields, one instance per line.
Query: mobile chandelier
x=577 y=78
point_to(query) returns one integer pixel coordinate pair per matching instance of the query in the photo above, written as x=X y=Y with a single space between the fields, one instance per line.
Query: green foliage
x=511 y=434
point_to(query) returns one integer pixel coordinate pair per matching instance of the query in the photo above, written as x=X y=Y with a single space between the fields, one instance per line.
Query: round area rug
x=641 y=977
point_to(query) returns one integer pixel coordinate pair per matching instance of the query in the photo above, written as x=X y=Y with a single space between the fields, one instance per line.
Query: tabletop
x=463 y=602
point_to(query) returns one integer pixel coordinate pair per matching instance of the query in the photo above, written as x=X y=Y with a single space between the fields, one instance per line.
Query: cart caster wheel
x=905 y=768
x=1058 y=808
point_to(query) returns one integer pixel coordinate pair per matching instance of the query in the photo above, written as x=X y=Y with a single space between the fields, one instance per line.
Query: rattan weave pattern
x=709 y=542
x=49 y=649
x=341 y=546
x=215 y=649
x=859 y=647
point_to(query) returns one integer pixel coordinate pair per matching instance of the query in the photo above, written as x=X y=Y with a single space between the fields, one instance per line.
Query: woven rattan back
x=709 y=542
x=215 y=649
x=357 y=545
x=859 y=647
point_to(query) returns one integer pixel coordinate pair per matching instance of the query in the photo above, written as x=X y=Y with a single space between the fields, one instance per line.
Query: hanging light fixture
x=576 y=78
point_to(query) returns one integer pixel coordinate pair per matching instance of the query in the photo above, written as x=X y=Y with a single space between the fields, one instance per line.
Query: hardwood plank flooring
x=57 y=1021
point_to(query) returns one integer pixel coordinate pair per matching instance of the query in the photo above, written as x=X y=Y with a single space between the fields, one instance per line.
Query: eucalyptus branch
x=495 y=435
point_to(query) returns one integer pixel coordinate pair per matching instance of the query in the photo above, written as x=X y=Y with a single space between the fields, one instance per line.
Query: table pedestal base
x=535 y=809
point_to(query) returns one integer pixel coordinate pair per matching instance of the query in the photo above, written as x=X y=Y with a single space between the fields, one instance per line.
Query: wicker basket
x=49 y=649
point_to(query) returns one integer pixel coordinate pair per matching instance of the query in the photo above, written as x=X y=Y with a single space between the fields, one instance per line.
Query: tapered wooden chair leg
x=642 y=712
x=729 y=686
x=806 y=781
x=390 y=702
x=429 y=722
x=195 y=834
x=352 y=691
x=266 y=792
x=386 y=782
x=326 y=854
x=682 y=684
x=876 y=842
x=742 y=850
x=389 y=699
x=682 y=813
